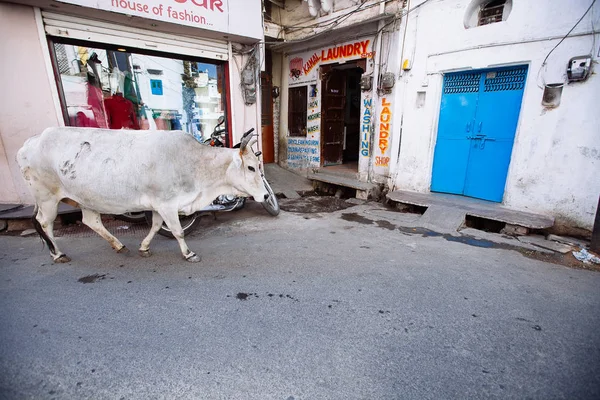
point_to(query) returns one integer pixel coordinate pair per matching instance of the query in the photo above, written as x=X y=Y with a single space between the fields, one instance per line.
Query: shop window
x=105 y=88
x=156 y=87
x=297 y=111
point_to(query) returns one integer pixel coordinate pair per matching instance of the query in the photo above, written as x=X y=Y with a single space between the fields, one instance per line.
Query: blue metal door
x=477 y=125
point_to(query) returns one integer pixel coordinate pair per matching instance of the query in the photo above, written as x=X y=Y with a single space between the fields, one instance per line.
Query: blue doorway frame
x=478 y=120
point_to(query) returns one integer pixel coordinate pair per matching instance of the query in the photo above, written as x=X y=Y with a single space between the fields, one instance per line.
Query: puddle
x=92 y=278
x=314 y=204
x=566 y=260
x=471 y=241
x=354 y=217
x=423 y=232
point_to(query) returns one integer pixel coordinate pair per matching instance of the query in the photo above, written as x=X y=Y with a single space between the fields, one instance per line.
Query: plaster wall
x=27 y=106
x=556 y=154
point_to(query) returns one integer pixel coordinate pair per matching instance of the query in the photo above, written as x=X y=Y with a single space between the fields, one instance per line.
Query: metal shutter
x=105 y=32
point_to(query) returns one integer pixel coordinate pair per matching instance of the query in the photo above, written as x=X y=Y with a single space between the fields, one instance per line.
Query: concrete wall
x=244 y=116
x=27 y=106
x=556 y=156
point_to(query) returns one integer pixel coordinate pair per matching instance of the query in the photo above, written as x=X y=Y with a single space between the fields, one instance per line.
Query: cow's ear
x=237 y=159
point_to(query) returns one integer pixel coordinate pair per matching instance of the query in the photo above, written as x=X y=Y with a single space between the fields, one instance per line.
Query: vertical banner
x=384 y=139
x=366 y=111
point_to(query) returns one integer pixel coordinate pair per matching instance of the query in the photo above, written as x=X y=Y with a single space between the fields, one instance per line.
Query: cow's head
x=244 y=172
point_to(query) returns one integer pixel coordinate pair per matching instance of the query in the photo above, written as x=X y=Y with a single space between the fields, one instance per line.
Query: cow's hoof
x=62 y=259
x=145 y=253
x=123 y=250
x=194 y=258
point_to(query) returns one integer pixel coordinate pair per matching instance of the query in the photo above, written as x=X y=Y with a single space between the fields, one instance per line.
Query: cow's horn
x=245 y=142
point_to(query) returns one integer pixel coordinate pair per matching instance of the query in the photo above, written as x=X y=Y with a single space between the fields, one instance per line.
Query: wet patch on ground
x=92 y=278
x=567 y=260
x=314 y=204
x=245 y=296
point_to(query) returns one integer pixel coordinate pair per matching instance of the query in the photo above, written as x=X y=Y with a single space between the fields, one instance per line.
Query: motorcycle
x=223 y=203
x=217 y=139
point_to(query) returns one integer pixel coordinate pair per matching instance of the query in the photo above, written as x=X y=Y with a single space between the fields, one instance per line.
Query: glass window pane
x=107 y=88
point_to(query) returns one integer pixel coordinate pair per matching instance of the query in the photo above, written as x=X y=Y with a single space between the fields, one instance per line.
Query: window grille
x=297 y=111
x=491 y=12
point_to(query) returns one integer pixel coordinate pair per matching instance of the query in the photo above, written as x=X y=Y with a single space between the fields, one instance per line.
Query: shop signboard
x=216 y=15
x=304 y=67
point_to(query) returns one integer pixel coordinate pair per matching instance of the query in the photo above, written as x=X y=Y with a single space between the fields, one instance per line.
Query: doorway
x=340 y=115
x=478 y=121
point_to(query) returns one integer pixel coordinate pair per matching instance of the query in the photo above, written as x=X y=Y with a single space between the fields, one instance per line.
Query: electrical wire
x=568 y=33
x=543 y=66
x=334 y=21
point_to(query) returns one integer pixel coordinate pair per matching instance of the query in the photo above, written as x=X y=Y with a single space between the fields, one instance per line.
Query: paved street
x=340 y=305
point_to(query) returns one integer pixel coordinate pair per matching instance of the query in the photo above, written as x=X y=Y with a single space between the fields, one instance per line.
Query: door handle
x=480 y=126
x=483 y=139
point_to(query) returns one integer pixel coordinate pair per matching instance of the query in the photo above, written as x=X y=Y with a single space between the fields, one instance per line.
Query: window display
x=123 y=89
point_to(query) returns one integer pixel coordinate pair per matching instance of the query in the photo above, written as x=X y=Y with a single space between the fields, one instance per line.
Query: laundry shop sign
x=303 y=67
x=216 y=15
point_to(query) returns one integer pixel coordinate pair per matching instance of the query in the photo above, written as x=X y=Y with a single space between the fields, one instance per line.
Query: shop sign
x=215 y=15
x=303 y=153
x=303 y=69
x=365 y=130
x=385 y=122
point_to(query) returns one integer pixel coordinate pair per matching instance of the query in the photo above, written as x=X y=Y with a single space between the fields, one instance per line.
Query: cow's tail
x=40 y=231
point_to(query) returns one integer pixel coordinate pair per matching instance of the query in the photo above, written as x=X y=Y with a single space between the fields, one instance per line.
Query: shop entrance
x=340 y=114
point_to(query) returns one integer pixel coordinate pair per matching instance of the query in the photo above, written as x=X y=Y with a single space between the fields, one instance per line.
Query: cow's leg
x=172 y=221
x=94 y=221
x=44 y=225
x=157 y=222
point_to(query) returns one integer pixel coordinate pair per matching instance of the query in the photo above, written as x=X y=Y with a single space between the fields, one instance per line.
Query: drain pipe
x=374 y=96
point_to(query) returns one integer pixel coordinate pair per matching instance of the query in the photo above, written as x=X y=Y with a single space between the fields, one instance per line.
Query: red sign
x=352 y=50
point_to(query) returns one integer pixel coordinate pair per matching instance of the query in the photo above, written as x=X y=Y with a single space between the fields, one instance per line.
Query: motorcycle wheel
x=133 y=217
x=270 y=204
x=188 y=223
x=241 y=205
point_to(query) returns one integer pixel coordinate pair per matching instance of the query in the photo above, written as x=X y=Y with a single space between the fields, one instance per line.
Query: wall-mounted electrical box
x=579 y=68
x=387 y=82
x=366 y=82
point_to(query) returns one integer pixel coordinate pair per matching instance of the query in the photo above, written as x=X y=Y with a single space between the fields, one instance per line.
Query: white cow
x=118 y=171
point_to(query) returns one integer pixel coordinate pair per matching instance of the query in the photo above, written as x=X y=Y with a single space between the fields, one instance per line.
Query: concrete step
x=341 y=180
x=4 y=208
x=285 y=182
x=473 y=207
x=27 y=212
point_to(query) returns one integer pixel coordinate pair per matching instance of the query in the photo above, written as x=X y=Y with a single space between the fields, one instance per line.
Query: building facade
x=335 y=69
x=490 y=99
x=172 y=65
x=499 y=103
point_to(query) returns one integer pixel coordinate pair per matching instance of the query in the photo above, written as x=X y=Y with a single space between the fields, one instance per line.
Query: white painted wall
x=26 y=106
x=244 y=116
x=556 y=155
x=172 y=69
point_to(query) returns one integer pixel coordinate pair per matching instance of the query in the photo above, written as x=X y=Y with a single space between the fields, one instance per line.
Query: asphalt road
x=302 y=306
